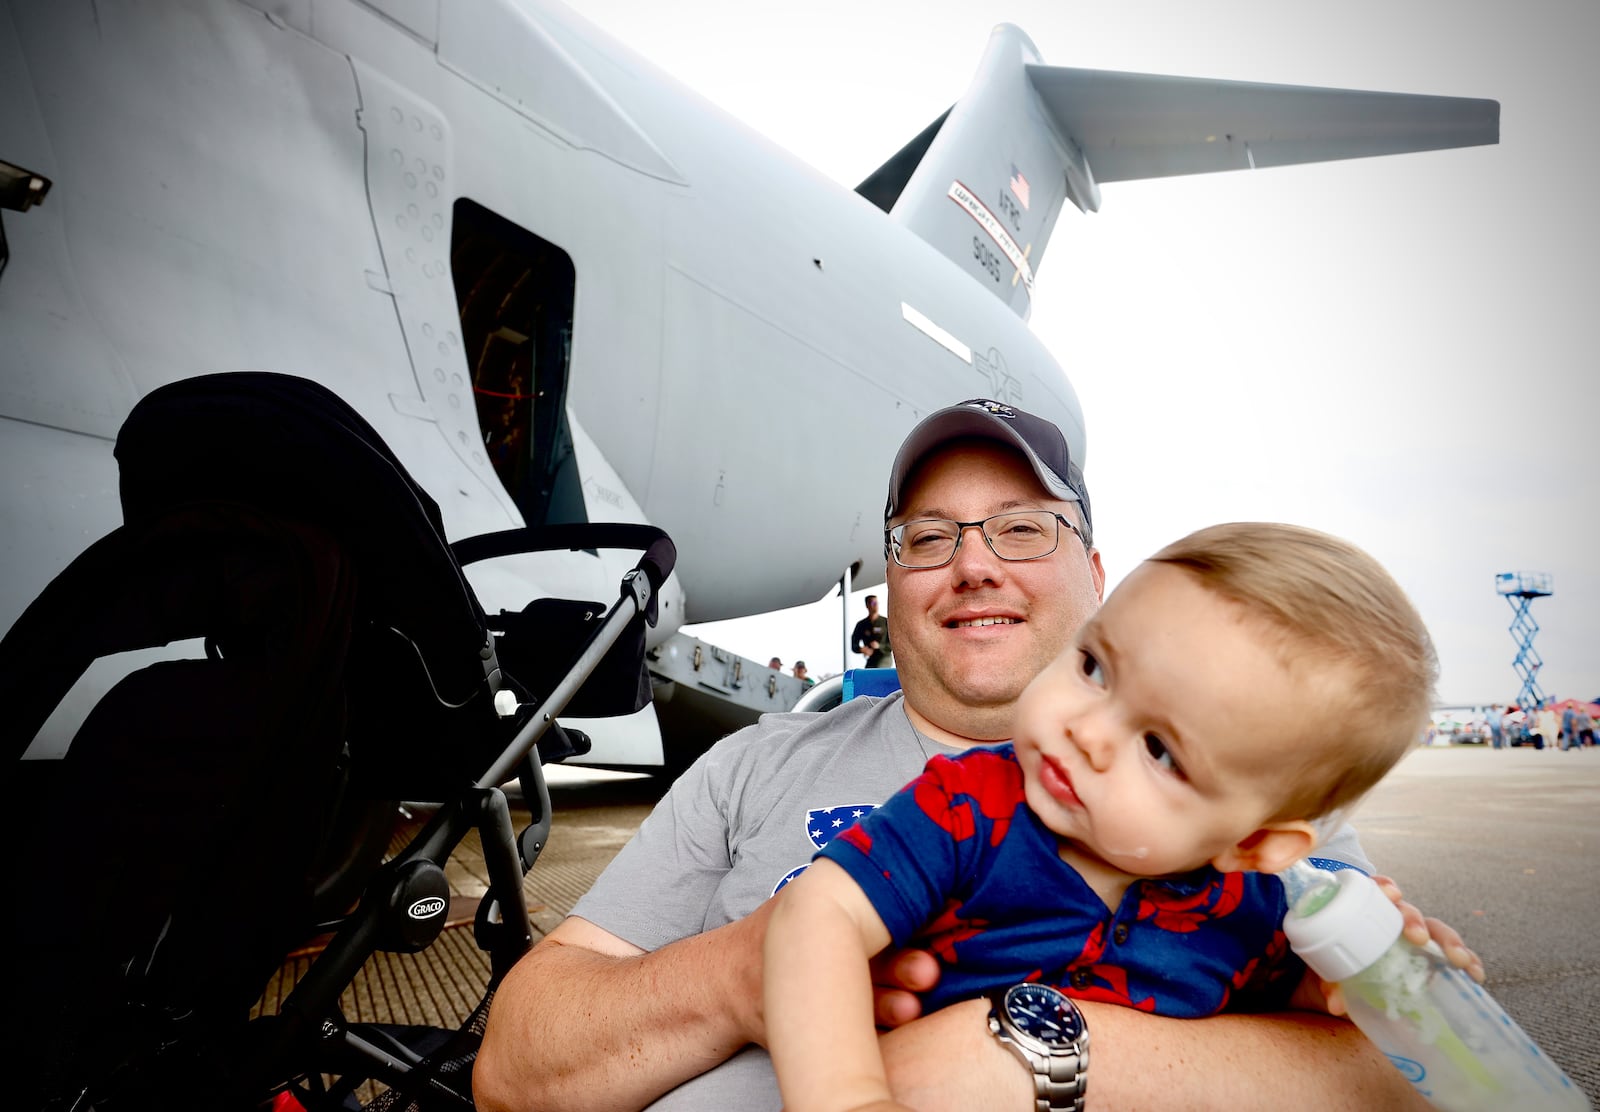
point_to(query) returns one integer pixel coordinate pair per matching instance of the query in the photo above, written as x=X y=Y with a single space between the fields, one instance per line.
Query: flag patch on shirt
x=823 y=825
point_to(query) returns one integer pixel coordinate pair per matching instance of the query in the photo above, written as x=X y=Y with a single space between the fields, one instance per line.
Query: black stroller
x=212 y=814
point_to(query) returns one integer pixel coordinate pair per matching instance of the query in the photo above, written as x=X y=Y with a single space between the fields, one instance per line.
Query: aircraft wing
x=1133 y=125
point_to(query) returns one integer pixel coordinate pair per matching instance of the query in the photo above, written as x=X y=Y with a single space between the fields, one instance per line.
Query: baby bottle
x=1436 y=1024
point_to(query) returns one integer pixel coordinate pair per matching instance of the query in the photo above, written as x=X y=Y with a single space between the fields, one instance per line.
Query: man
x=801 y=674
x=653 y=985
x=776 y=664
x=1546 y=725
x=870 y=638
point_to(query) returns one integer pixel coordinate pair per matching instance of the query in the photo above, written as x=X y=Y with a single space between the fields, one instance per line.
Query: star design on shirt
x=823 y=823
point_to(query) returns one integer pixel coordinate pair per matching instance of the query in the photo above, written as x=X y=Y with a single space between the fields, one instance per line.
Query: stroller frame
x=502 y=924
x=468 y=738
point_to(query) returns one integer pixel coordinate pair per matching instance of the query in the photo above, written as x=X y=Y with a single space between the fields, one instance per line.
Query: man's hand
x=1418 y=930
x=898 y=979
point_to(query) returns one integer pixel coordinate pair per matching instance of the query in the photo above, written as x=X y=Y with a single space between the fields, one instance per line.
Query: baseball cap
x=1040 y=442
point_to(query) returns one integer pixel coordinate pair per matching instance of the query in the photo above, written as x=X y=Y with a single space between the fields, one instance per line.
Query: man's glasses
x=932 y=542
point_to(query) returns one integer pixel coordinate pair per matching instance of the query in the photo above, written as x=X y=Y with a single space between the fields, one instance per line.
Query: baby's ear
x=1270 y=849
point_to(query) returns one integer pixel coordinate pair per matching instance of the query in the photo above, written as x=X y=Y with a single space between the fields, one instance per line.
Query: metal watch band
x=1059 y=1080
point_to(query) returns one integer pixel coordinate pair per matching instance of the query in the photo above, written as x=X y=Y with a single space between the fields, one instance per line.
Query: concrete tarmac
x=1504 y=845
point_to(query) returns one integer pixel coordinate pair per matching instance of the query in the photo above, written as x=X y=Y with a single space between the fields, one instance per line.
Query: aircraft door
x=515 y=292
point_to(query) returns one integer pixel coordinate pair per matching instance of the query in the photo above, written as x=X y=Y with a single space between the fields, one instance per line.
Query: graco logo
x=426 y=908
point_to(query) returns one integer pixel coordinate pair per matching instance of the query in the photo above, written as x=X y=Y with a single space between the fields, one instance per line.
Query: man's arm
x=575 y=1027
x=1232 y=1063
x=588 y=1018
x=588 y=1021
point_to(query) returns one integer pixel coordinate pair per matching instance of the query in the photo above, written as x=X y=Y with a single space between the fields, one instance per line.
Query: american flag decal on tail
x=1019 y=186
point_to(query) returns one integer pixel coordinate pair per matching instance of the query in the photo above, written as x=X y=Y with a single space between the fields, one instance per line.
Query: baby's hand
x=1419 y=931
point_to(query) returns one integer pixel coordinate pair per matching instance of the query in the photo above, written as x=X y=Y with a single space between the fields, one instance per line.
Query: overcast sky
x=1401 y=351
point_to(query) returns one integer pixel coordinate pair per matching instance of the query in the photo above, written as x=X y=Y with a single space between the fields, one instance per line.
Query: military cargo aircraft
x=559 y=284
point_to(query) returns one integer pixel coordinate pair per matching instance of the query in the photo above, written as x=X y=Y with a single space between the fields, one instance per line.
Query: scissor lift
x=1520 y=588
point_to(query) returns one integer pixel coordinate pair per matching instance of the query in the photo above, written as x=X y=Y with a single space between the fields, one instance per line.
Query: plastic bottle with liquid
x=1437 y=1025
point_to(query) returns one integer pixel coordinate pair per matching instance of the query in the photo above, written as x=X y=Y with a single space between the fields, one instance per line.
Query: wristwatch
x=1041 y=1025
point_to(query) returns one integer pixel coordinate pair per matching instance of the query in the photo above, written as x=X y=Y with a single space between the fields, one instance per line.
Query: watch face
x=1044 y=1013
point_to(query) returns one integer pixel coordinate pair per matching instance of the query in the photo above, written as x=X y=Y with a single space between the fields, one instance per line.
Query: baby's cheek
x=1025 y=724
x=1038 y=717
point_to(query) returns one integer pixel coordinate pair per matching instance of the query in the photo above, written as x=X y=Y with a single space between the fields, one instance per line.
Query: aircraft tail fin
x=985 y=182
x=988 y=177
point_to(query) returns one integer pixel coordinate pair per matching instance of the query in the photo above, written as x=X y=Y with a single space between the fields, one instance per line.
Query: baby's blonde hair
x=1345 y=623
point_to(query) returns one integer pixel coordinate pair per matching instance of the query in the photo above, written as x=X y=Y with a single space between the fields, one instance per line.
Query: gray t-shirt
x=744 y=820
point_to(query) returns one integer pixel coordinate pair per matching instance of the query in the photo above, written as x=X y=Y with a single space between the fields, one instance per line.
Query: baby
x=1238 y=685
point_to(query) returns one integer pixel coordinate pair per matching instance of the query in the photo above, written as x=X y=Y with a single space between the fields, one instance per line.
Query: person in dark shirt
x=871 y=637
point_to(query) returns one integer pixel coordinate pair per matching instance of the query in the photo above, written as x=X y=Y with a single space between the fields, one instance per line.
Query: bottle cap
x=1347 y=933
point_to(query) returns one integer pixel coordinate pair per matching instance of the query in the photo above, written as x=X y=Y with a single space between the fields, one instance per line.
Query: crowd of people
x=800 y=672
x=1557 y=725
